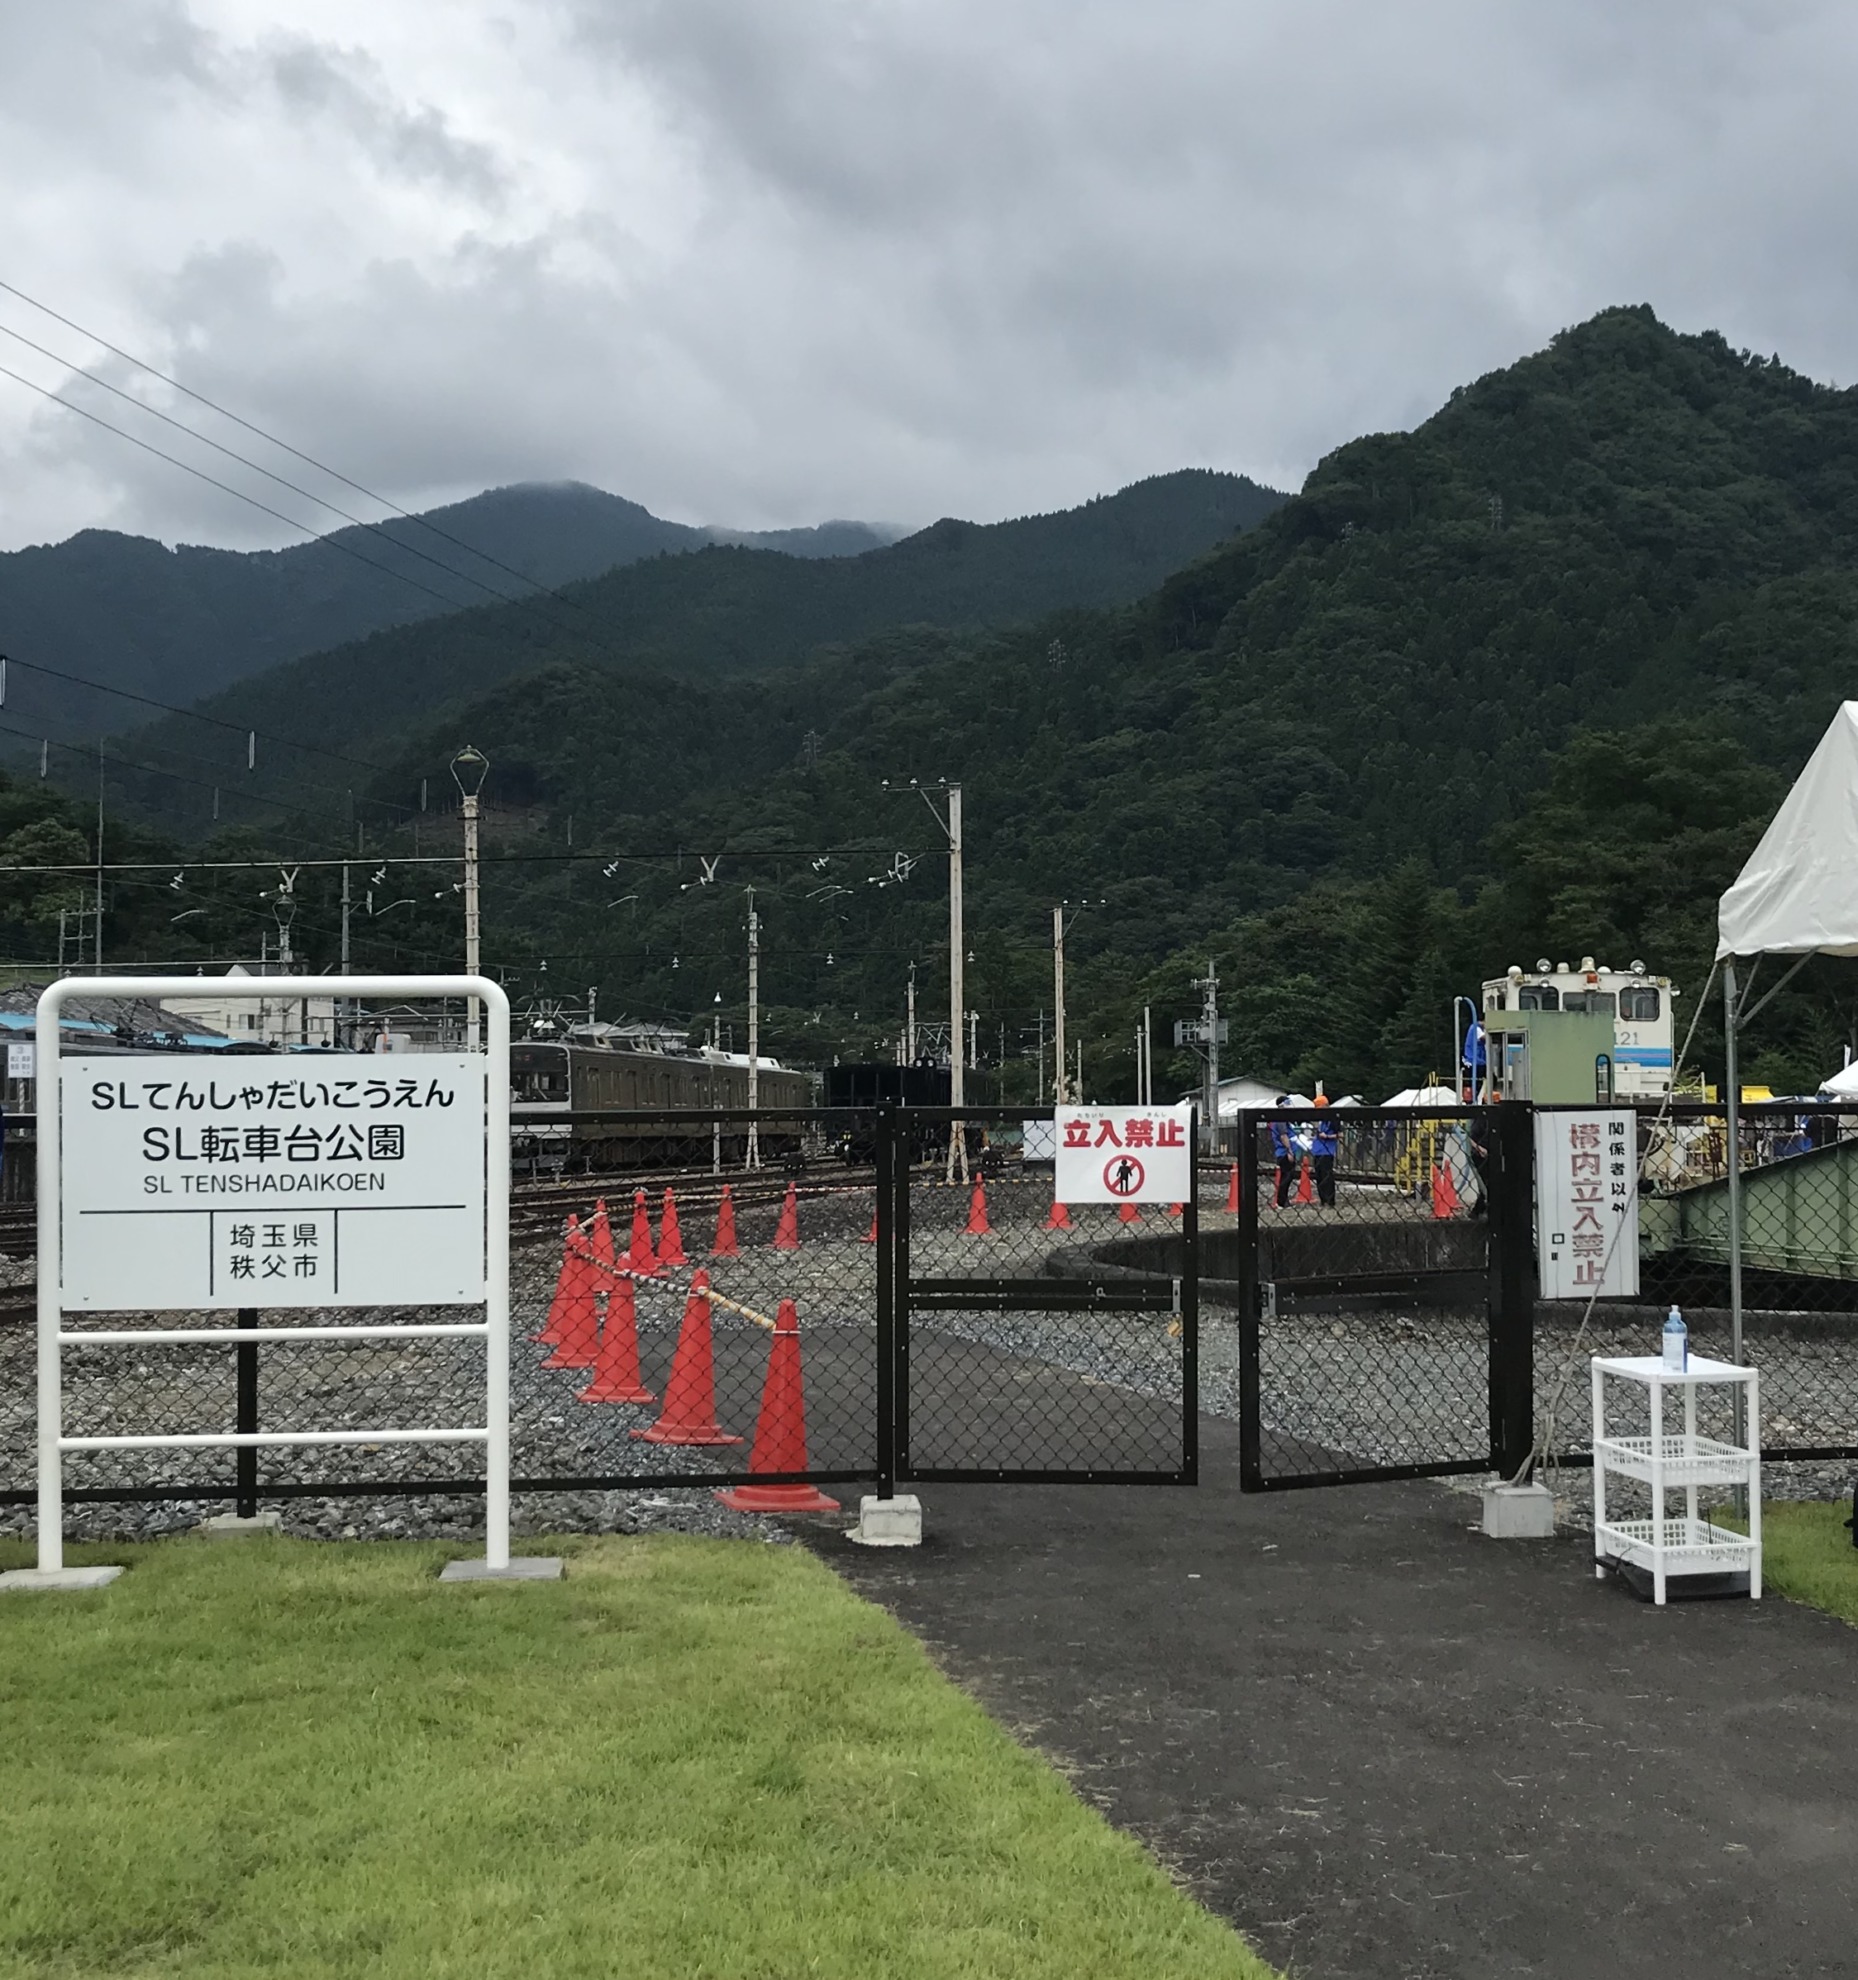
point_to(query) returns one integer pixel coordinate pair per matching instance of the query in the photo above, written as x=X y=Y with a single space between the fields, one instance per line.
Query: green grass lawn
x=1807 y=1554
x=690 y=1758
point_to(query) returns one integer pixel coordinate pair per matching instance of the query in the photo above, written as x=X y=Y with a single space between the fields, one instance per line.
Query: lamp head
x=469 y=769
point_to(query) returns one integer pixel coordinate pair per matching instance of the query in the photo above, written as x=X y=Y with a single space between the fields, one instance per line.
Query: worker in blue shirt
x=1322 y=1153
x=1284 y=1149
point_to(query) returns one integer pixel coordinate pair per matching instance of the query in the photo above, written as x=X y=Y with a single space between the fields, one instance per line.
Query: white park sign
x=1123 y=1154
x=346 y=1179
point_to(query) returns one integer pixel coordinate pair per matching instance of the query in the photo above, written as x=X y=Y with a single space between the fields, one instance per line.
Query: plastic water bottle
x=1676 y=1343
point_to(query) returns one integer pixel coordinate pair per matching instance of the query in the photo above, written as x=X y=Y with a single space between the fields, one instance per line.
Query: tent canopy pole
x=1732 y=1082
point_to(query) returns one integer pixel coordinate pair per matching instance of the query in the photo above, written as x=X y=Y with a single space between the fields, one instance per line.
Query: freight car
x=571 y=1079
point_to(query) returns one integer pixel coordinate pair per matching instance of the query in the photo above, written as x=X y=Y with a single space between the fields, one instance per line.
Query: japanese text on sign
x=214 y=1189
x=1123 y=1154
x=1587 y=1172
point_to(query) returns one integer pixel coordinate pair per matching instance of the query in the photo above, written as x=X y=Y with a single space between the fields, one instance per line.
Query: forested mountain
x=178 y=624
x=1525 y=681
x=723 y=609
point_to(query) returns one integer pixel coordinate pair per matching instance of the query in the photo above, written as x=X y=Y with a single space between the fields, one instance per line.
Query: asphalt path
x=1388 y=1749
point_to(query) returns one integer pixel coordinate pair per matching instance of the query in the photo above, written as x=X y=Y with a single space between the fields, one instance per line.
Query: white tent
x=1797 y=896
x=1842 y=1085
x=1423 y=1096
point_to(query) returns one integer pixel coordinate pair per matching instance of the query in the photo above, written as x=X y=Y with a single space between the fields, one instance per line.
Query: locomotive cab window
x=1639 y=1005
x=1538 y=997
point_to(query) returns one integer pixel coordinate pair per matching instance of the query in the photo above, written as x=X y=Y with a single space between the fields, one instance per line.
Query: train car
x=1638 y=1006
x=566 y=1079
x=873 y=1086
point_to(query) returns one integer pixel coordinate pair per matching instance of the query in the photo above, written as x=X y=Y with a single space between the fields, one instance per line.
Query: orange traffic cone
x=1444 y=1193
x=1232 y=1190
x=616 y=1367
x=1174 y=1209
x=1059 y=1219
x=670 y=1238
x=579 y=1343
x=870 y=1236
x=640 y=1257
x=600 y=1235
x=689 y=1413
x=725 y=1245
x=1127 y=1213
x=567 y=1285
x=780 y=1430
x=787 y=1231
x=1305 y=1194
x=978 y=1226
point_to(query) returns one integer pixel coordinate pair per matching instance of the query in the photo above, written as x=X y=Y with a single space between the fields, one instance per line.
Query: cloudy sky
x=767 y=261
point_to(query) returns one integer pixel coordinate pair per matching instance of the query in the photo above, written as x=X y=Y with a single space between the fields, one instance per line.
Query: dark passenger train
x=563 y=1079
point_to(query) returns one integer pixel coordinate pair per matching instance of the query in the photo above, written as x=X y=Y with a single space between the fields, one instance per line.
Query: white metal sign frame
x=493 y=1329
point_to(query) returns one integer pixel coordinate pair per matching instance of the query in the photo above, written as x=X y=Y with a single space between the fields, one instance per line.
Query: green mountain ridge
x=1526 y=680
x=720 y=610
x=177 y=624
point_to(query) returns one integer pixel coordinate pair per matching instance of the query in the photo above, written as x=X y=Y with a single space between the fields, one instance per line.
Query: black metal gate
x=1017 y=1350
x=1382 y=1275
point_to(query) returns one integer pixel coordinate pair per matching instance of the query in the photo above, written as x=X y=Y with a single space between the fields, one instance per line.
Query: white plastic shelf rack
x=1672 y=1461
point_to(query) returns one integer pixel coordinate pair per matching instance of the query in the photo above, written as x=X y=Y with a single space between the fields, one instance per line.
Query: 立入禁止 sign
x=1587 y=1203
x=1123 y=1154
x=243 y=1183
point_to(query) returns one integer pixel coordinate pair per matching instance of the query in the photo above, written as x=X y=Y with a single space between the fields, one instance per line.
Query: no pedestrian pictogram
x=1124 y=1176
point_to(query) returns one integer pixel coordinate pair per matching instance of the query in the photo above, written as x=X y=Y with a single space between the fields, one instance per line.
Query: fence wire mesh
x=1039 y=1342
x=1799 y=1221
x=1363 y=1249
x=740 y=1388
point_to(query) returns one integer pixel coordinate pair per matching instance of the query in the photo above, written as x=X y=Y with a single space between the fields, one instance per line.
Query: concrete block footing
x=522 y=1567
x=19 y=1580
x=1519 y=1512
x=894 y=1522
x=233 y=1526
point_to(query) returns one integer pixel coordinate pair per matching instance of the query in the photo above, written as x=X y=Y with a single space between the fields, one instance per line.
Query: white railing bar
x=475 y=1330
x=235 y=1438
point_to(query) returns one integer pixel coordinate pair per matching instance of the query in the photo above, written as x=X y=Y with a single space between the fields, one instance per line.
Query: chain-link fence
x=1038 y=1341
x=703 y=1323
x=1799 y=1273
x=1360 y=1261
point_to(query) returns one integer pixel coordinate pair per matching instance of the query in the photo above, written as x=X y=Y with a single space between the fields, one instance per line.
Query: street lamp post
x=752 y=1149
x=469 y=769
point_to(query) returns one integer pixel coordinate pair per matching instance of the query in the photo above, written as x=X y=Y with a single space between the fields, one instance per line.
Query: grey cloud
x=312 y=79
x=758 y=264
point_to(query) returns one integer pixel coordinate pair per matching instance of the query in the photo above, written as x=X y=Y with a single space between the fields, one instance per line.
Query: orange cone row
x=688 y=1419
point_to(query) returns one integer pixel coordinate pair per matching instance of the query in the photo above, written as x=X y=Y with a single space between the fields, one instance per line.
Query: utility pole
x=469 y=768
x=957 y=994
x=974 y=1038
x=752 y=1156
x=909 y=1022
x=1038 y=1099
x=99 y=944
x=1208 y=985
x=1058 y=934
x=344 y=1017
x=957 y=957
x=1148 y=1058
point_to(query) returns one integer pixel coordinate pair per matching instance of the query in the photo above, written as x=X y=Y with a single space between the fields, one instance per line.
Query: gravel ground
x=1365 y=1388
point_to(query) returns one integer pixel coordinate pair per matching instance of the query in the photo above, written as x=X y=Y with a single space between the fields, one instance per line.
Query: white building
x=263 y=1020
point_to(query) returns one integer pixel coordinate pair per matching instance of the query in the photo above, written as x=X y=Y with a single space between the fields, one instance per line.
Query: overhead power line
x=257 y=467
x=540 y=589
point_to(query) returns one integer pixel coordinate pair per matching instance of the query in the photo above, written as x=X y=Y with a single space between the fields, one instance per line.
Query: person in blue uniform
x=1322 y=1153
x=1284 y=1148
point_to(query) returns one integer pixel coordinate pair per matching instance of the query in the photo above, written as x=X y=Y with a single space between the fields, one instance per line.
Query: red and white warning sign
x=1123 y=1154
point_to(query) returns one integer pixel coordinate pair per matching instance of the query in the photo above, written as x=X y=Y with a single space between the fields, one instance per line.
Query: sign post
x=182 y=1182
